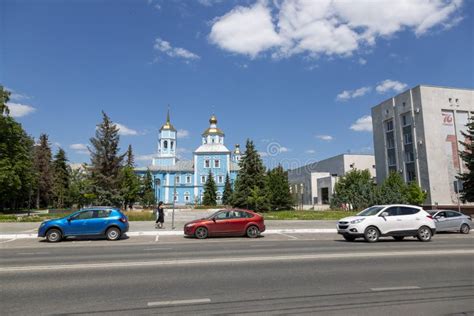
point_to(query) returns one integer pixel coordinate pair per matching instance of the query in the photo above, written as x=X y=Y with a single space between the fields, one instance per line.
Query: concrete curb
x=180 y=233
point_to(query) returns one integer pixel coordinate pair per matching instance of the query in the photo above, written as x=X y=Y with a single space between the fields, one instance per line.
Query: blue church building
x=184 y=180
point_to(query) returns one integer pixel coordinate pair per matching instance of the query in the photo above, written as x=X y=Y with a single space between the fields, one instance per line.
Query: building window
x=220 y=179
x=409 y=156
x=176 y=197
x=389 y=125
x=203 y=179
x=186 y=196
x=219 y=195
x=178 y=179
x=207 y=163
x=390 y=140
x=172 y=145
x=165 y=144
x=217 y=163
x=410 y=172
x=188 y=179
x=407 y=139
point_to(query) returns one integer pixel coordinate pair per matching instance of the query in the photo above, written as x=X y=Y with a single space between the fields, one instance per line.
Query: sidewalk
x=29 y=230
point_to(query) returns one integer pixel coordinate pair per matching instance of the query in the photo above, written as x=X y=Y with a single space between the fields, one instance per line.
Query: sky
x=297 y=77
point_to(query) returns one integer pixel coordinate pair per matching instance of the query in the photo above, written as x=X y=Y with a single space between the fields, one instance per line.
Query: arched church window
x=172 y=145
x=165 y=144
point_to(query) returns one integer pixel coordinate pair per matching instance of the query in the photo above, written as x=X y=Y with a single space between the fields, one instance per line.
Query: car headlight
x=42 y=224
x=357 y=221
x=190 y=225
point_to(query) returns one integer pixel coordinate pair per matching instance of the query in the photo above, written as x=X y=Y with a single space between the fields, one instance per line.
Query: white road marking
x=33 y=253
x=395 y=288
x=2 y=242
x=157 y=237
x=292 y=237
x=181 y=302
x=233 y=260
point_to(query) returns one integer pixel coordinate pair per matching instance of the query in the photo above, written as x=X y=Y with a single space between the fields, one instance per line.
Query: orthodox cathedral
x=185 y=179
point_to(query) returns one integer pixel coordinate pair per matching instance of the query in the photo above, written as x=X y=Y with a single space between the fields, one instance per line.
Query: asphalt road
x=288 y=275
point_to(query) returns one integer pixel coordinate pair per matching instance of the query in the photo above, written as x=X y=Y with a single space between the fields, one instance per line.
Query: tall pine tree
x=129 y=181
x=210 y=191
x=62 y=175
x=147 y=192
x=4 y=98
x=250 y=178
x=44 y=172
x=467 y=156
x=106 y=163
x=227 y=194
x=278 y=189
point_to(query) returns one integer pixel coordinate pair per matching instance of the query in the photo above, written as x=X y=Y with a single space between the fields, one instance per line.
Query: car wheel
x=54 y=235
x=371 y=234
x=253 y=231
x=398 y=238
x=465 y=229
x=201 y=233
x=424 y=233
x=348 y=237
x=113 y=233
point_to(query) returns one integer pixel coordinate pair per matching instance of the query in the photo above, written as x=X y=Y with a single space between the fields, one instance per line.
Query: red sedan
x=228 y=223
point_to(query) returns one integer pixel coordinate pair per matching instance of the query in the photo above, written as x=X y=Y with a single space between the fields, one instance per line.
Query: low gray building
x=313 y=184
x=417 y=134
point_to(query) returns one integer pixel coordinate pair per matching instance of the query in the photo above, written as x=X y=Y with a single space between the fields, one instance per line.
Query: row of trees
x=255 y=188
x=30 y=176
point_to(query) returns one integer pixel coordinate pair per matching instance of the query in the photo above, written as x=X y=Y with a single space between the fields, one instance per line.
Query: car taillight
x=429 y=216
x=123 y=219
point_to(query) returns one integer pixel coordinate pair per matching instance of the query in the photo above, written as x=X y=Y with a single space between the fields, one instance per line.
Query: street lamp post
x=302 y=195
x=174 y=203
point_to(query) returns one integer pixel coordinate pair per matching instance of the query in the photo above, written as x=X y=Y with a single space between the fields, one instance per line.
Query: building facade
x=182 y=181
x=313 y=184
x=417 y=134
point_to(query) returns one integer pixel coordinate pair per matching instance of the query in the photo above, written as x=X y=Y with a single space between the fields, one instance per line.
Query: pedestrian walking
x=160 y=215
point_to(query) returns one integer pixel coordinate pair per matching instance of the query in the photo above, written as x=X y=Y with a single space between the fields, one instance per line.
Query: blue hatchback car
x=104 y=221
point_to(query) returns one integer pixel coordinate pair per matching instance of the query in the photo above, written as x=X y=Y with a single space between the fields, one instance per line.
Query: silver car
x=446 y=221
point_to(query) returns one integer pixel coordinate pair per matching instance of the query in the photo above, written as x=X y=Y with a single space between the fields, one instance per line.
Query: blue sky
x=297 y=76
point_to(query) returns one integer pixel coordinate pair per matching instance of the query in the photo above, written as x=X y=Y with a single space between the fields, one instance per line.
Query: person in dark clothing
x=160 y=215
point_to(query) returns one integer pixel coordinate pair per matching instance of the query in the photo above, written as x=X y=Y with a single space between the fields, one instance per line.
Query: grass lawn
x=307 y=215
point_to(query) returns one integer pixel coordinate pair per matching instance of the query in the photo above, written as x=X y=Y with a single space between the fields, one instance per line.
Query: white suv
x=397 y=221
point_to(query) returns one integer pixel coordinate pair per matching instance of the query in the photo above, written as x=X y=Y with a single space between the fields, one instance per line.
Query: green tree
x=61 y=176
x=467 y=155
x=106 y=163
x=80 y=191
x=257 y=200
x=4 y=98
x=148 y=198
x=415 y=194
x=17 y=178
x=43 y=166
x=210 y=191
x=393 y=190
x=129 y=181
x=355 y=188
x=227 y=194
x=250 y=175
x=278 y=189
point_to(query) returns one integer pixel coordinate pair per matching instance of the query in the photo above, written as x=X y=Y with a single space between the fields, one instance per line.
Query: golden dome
x=213 y=119
x=168 y=125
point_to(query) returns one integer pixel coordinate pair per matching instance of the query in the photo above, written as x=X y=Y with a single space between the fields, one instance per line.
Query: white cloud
x=182 y=133
x=125 y=131
x=165 y=47
x=20 y=110
x=209 y=3
x=325 y=27
x=310 y=151
x=362 y=61
x=245 y=30
x=284 y=149
x=390 y=85
x=363 y=124
x=80 y=148
x=148 y=157
x=327 y=138
x=350 y=94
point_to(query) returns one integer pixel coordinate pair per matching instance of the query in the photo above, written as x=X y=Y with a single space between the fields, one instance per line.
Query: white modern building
x=417 y=134
x=313 y=184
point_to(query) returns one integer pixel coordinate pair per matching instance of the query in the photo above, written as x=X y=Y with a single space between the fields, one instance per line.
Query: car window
x=441 y=214
x=84 y=215
x=102 y=213
x=453 y=214
x=247 y=214
x=392 y=211
x=223 y=215
x=407 y=210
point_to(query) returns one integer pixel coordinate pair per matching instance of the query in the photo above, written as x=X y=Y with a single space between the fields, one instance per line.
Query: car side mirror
x=384 y=214
x=214 y=219
x=69 y=219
